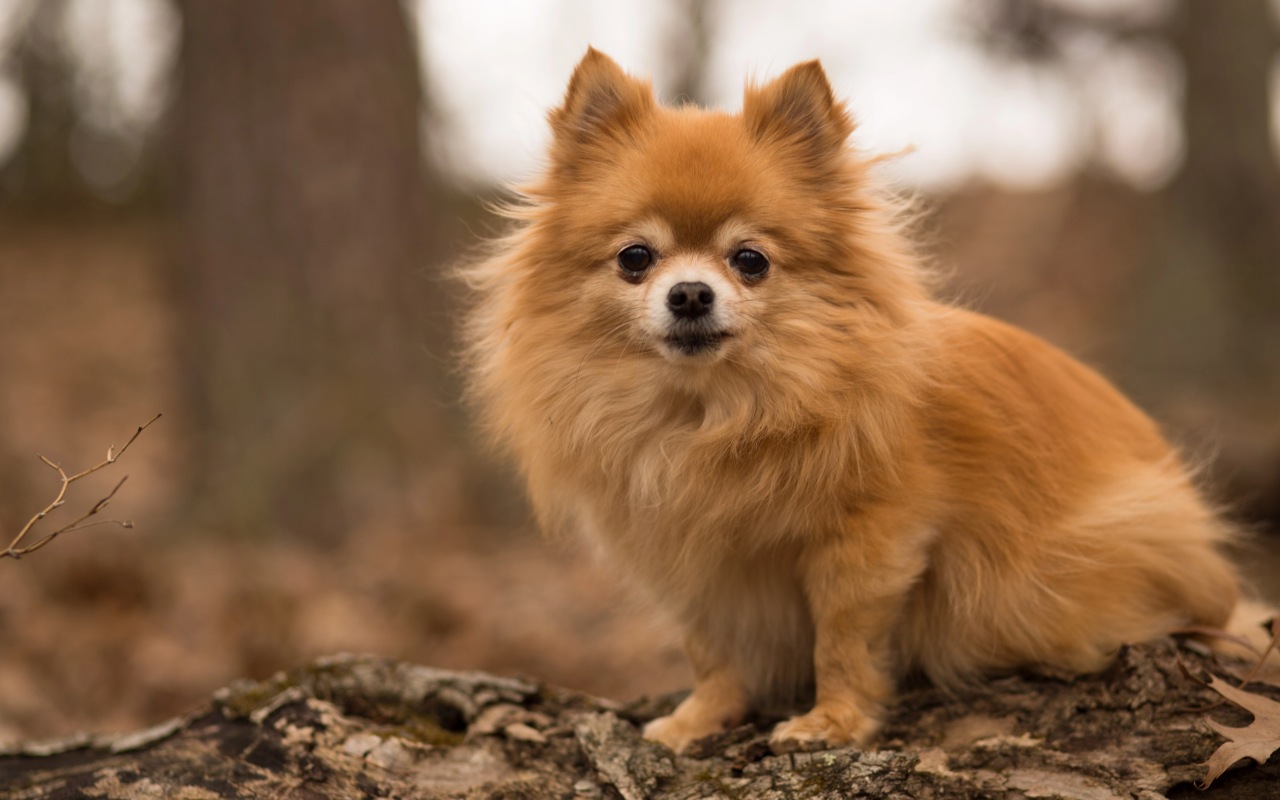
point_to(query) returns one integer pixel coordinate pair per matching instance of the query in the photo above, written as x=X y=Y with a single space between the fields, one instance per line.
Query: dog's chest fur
x=721 y=558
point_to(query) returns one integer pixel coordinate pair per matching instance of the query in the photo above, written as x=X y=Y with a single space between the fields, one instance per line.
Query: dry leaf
x=1258 y=740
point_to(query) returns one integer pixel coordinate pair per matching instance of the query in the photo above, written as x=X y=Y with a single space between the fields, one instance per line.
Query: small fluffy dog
x=710 y=348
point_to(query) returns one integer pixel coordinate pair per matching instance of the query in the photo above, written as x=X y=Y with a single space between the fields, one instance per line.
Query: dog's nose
x=690 y=300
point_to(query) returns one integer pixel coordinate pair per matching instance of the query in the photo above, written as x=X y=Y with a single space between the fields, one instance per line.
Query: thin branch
x=1215 y=633
x=17 y=549
x=1262 y=659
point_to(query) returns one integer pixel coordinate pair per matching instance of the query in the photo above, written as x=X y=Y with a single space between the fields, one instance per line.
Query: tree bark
x=300 y=197
x=1206 y=318
x=359 y=726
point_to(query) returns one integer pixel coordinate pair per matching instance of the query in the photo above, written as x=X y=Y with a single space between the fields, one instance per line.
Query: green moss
x=825 y=776
x=424 y=731
x=242 y=699
x=245 y=697
x=710 y=779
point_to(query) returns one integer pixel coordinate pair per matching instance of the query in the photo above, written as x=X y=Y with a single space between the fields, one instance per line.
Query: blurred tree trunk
x=1202 y=341
x=1208 y=318
x=689 y=51
x=40 y=172
x=301 y=212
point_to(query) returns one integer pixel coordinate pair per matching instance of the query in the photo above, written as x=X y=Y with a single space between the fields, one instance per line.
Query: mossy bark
x=365 y=727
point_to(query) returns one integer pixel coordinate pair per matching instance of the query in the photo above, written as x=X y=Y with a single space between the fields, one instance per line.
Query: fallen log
x=357 y=726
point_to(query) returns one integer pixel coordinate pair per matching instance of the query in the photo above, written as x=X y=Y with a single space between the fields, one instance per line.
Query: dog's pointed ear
x=601 y=100
x=799 y=107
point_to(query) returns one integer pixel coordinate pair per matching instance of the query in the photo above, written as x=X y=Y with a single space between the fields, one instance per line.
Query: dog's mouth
x=692 y=343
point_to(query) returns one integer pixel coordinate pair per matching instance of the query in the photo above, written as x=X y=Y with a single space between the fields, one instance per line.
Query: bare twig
x=1206 y=632
x=1262 y=659
x=17 y=549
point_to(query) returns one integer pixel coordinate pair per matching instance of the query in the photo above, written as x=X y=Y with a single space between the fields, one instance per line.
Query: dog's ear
x=602 y=100
x=799 y=108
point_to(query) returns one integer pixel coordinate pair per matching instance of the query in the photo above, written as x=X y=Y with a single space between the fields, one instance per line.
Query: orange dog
x=710 y=348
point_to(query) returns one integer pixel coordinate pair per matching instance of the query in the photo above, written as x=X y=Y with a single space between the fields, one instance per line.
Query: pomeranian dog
x=710 y=348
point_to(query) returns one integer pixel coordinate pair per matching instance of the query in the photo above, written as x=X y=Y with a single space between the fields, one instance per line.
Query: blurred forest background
x=240 y=214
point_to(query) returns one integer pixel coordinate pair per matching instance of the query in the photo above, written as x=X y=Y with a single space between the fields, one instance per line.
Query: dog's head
x=746 y=259
x=701 y=236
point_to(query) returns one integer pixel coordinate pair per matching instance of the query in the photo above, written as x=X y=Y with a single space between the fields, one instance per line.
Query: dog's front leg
x=718 y=701
x=855 y=583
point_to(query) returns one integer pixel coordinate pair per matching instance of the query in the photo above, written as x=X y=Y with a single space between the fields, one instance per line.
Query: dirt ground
x=111 y=629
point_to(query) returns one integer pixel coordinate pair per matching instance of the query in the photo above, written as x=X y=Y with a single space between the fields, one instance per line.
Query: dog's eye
x=751 y=263
x=634 y=260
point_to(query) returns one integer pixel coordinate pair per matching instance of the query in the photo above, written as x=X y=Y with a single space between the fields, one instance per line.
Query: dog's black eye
x=751 y=263
x=634 y=260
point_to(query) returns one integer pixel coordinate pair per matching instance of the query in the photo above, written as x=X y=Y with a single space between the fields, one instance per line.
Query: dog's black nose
x=690 y=300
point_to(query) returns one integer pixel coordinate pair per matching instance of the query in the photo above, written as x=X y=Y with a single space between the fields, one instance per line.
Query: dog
x=711 y=349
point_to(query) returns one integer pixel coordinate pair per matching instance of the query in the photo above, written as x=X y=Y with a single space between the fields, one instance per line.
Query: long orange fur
x=862 y=481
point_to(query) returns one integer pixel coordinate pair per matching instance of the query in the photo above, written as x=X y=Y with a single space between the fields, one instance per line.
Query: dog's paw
x=822 y=729
x=677 y=733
